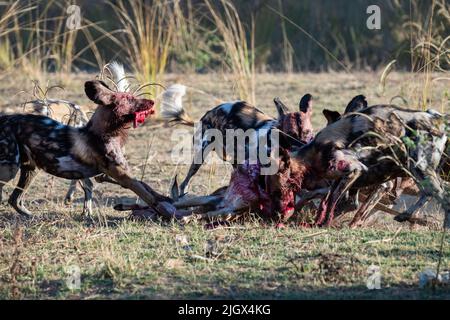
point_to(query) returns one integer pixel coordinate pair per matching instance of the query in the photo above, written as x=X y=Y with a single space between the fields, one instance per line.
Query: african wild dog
x=230 y=115
x=386 y=193
x=297 y=125
x=31 y=142
x=345 y=152
x=74 y=115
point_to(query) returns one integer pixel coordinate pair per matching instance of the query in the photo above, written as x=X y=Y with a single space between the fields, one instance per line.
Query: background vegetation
x=37 y=28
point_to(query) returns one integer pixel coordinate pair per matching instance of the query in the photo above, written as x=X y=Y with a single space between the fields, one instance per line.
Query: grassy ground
x=119 y=258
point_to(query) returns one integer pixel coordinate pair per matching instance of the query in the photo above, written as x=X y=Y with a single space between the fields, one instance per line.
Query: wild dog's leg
x=87 y=186
x=72 y=189
x=27 y=174
x=372 y=200
x=7 y=173
x=9 y=157
x=197 y=162
x=121 y=175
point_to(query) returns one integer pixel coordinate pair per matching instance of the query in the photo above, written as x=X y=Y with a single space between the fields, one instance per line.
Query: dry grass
x=34 y=38
x=120 y=258
x=148 y=31
x=239 y=52
x=429 y=50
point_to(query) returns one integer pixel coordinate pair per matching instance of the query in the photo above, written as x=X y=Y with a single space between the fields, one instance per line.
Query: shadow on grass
x=105 y=288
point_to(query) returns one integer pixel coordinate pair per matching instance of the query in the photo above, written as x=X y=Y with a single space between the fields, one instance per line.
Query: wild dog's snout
x=343 y=163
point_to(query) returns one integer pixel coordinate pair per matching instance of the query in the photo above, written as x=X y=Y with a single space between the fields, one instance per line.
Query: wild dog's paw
x=24 y=212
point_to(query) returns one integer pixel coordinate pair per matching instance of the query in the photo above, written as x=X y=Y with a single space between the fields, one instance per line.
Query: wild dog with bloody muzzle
x=368 y=148
x=231 y=115
x=238 y=115
x=31 y=142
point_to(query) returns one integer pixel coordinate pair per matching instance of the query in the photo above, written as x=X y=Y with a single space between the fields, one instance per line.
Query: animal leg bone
x=364 y=211
x=339 y=189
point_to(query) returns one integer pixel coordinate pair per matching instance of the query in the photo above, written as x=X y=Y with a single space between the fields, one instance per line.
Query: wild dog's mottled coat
x=33 y=142
x=349 y=130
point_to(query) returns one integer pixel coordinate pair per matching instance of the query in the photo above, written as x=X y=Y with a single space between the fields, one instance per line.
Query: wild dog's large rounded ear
x=331 y=116
x=98 y=92
x=357 y=103
x=286 y=141
x=282 y=109
x=306 y=103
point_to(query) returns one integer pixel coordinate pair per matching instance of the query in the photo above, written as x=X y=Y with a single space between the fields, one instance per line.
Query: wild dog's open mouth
x=141 y=116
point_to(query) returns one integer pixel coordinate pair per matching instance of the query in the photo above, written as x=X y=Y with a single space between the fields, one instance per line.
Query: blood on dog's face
x=122 y=108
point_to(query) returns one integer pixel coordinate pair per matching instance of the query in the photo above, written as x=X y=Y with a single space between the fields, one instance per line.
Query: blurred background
x=189 y=39
x=236 y=39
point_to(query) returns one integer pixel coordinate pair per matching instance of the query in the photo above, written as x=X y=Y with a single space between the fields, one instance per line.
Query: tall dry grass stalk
x=193 y=42
x=239 y=50
x=34 y=38
x=430 y=49
x=430 y=55
x=148 y=28
x=63 y=42
x=288 y=50
x=11 y=13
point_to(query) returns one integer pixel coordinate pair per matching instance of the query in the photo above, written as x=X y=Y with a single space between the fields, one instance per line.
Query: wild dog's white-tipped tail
x=120 y=78
x=172 y=105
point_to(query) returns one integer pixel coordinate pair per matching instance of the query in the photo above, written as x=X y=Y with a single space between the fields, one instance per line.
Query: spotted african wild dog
x=74 y=115
x=229 y=115
x=386 y=193
x=31 y=142
x=347 y=153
